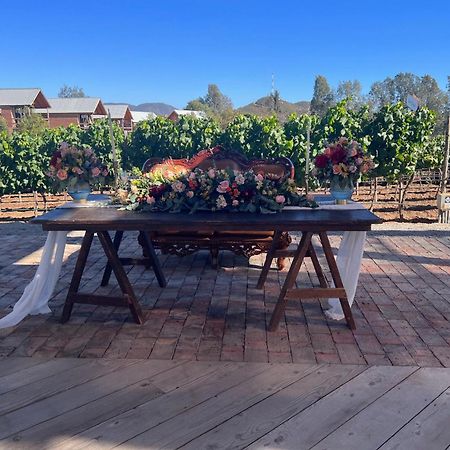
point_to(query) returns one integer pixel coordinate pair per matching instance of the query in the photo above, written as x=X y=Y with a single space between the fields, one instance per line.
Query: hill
x=264 y=107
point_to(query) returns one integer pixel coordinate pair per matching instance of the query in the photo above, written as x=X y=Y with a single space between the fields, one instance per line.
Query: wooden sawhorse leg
x=151 y=260
x=128 y=298
x=304 y=249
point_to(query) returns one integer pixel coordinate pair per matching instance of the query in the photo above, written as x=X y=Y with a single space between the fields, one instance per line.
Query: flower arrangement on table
x=77 y=169
x=341 y=164
x=214 y=190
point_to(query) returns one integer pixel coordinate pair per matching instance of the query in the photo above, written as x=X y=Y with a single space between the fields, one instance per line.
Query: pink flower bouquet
x=215 y=190
x=343 y=159
x=71 y=165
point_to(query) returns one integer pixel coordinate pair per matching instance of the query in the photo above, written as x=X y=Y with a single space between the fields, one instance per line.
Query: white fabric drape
x=37 y=294
x=348 y=260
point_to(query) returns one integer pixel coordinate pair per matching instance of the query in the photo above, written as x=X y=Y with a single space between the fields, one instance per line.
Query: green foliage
x=161 y=137
x=341 y=121
x=216 y=105
x=53 y=137
x=257 y=137
x=32 y=123
x=27 y=164
x=3 y=125
x=296 y=131
x=71 y=92
x=322 y=97
x=399 y=137
x=7 y=182
x=432 y=156
x=97 y=137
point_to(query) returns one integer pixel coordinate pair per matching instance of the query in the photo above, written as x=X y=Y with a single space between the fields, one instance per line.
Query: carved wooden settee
x=246 y=243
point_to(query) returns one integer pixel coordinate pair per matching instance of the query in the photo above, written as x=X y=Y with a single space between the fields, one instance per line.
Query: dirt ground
x=420 y=204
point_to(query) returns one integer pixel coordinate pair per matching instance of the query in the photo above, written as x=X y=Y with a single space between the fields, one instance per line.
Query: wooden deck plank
x=248 y=426
x=38 y=372
x=125 y=426
x=323 y=417
x=429 y=429
x=41 y=389
x=370 y=429
x=54 y=431
x=201 y=418
x=13 y=365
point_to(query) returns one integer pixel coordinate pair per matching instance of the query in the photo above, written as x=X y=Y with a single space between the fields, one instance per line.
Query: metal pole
x=114 y=153
x=308 y=148
x=446 y=157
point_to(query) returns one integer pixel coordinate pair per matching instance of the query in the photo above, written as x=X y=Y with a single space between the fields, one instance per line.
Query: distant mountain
x=264 y=107
x=161 y=109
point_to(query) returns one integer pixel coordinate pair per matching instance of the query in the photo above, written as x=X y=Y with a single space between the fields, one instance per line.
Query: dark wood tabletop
x=107 y=218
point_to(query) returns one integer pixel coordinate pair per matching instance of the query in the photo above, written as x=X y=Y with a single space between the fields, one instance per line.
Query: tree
x=399 y=139
x=322 y=98
x=351 y=90
x=71 y=92
x=215 y=104
x=32 y=124
x=275 y=97
x=218 y=102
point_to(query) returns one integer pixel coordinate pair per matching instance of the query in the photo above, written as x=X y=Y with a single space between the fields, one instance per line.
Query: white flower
x=239 y=179
x=178 y=186
x=235 y=202
x=212 y=173
x=221 y=202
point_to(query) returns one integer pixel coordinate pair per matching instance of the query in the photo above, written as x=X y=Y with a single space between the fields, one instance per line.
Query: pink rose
x=95 y=172
x=189 y=194
x=352 y=152
x=337 y=169
x=235 y=202
x=62 y=174
x=77 y=170
x=224 y=186
x=259 y=177
x=212 y=173
x=365 y=168
x=280 y=199
x=150 y=200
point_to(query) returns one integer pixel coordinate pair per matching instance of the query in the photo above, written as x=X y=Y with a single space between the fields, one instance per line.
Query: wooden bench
x=246 y=243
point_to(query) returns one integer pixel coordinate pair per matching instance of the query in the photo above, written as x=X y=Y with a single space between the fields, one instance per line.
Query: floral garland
x=215 y=190
x=343 y=159
x=70 y=165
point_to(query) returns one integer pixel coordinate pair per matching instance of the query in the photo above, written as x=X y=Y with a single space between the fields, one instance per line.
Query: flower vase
x=341 y=189
x=79 y=191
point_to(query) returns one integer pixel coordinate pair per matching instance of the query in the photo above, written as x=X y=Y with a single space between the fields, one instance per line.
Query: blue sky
x=142 y=51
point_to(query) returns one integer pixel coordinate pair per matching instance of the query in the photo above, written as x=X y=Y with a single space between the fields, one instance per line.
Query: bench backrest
x=221 y=158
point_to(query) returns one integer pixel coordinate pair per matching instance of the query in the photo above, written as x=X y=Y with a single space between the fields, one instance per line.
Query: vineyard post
x=114 y=152
x=308 y=148
x=444 y=211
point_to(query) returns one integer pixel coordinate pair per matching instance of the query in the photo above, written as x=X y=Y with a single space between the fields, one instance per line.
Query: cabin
x=121 y=114
x=139 y=116
x=177 y=113
x=17 y=103
x=79 y=111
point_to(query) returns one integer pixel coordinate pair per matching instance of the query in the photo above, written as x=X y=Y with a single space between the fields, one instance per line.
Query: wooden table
x=308 y=222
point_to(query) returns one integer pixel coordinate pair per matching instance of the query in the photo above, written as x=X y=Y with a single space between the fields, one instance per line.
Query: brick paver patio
x=402 y=308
